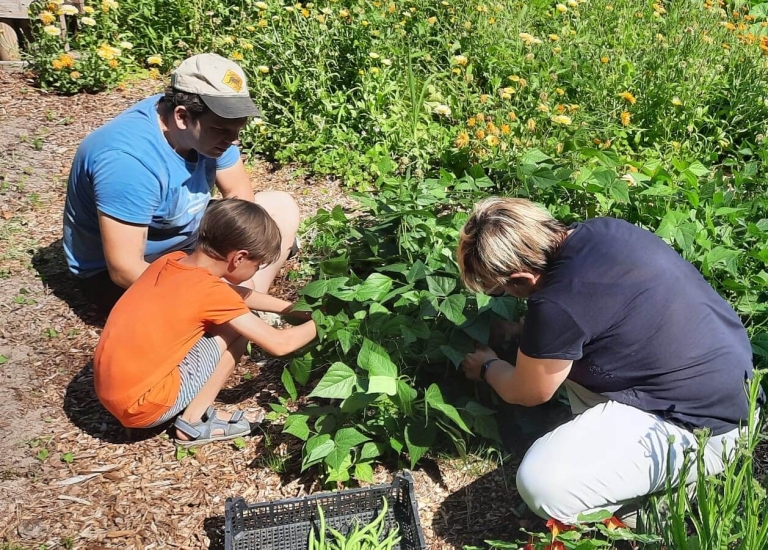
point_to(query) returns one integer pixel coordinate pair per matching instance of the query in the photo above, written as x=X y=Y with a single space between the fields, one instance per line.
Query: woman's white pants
x=610 y=455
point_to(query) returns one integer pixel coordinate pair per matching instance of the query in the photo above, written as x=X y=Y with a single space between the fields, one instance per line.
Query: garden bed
x=73 y=478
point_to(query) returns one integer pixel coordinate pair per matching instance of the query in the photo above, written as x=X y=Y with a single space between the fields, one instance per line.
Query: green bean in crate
x=286 y=524
x=370 y=537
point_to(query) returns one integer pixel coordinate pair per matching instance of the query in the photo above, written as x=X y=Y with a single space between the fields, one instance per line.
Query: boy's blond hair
x=505 y=236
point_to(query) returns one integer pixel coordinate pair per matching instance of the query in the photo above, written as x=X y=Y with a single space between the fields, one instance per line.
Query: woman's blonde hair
x=505 y=236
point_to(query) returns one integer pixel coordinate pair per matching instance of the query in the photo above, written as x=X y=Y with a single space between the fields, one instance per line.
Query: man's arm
x=234 y=182
x=531 y=382
x=124 y=245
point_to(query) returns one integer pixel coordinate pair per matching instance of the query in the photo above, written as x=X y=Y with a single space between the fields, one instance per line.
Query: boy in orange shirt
x=173 y=339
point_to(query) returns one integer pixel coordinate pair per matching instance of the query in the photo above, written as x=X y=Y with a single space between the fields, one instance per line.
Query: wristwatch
x=485 y=366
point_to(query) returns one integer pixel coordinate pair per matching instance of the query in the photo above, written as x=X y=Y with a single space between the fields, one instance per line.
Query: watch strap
x=485 y=366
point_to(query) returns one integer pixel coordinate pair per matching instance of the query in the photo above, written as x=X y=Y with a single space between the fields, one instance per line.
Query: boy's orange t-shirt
x=150 y=330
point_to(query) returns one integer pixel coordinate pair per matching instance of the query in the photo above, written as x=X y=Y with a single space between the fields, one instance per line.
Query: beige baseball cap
x=220 y=83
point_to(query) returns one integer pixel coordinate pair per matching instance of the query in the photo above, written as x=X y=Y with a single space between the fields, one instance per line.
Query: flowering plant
x=78 y=51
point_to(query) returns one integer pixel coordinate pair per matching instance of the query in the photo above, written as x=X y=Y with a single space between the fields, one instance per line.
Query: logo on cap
x=232 y=80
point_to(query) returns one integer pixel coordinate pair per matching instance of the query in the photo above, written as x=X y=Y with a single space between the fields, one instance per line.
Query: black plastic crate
x=285 y=524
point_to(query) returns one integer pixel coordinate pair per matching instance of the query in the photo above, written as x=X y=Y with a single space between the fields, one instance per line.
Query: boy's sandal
x=200 y=432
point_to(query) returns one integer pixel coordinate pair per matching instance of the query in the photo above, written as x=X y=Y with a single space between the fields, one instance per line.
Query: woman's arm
x=531 y=382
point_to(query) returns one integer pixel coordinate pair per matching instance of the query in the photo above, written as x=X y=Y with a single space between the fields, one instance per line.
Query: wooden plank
x=14 y=9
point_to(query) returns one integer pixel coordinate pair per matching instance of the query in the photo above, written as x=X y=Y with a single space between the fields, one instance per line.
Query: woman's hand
x=474 y=361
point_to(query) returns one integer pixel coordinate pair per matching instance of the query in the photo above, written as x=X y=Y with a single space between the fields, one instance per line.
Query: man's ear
x=182 y=118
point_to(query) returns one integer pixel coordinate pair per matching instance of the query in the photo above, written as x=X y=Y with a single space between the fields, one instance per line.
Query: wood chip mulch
x=70 y=476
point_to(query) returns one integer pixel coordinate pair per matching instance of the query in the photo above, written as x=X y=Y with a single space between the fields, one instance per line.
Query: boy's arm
x=273 y=341
x=264 y=302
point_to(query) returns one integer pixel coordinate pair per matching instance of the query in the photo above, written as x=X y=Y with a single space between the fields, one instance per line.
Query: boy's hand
x=302 y=316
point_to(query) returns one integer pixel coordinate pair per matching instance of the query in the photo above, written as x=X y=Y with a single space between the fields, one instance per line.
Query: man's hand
x=474 y=361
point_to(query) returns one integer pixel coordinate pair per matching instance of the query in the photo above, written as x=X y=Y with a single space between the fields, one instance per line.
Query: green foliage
x=392 y=324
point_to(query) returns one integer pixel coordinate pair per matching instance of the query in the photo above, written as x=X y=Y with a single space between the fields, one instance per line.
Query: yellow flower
x=327 y=11
x=247 y=46
x=386 y=62
x=66 y=9
x=237 y=56
x=456 y=70
x=543 y=108
x=262 y=5
x=528 y=39
x=531 y=124
x=47 y=17
x=625 y=118
x=480 y=117
x=492 y=129
x=559 y=91
x=512 y=116
x=126 y=45
x=154 y=60
x=262 y=23
x=572 y=108
x=462 y=140
x=290 y=9
x=107 y=5
x=364 y=23
x=460 y=60
x=493 y=141
x=88 y=9
x=106 y=51
x=554 y=37
x=483 y=98
x=676 y=101
x=604 y=59
x=561 y=8
x=514 y=78
x=263 y=69
x=67 y=61
x=628 y=97
x=492 y=21
x=74 y=75
x=471 y=121
x=557 y=49
x=343 y=13
x=113 y=63
x=154 y=73
x=90 y=21
x=442 y=110
x=374 y=70
x=373 y=55
x=572 y=3
x=505 y=129
x=562 y=119
x=250 y=28
x=305 y=12
x=51 y=30
x=480 y=134
x=57 y=64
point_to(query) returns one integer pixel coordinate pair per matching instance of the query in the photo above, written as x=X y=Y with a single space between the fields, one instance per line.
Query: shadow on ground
x=85 y=411
x=214 y=529
x=51 y=265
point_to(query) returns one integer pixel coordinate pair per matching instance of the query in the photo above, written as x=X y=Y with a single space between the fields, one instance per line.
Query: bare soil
x=70 y=476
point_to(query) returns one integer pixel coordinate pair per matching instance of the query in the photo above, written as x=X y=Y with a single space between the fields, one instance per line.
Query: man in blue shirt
x=139 y=185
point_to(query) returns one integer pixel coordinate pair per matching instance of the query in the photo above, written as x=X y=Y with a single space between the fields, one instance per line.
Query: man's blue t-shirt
x=642 y=326
x=127 y=170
